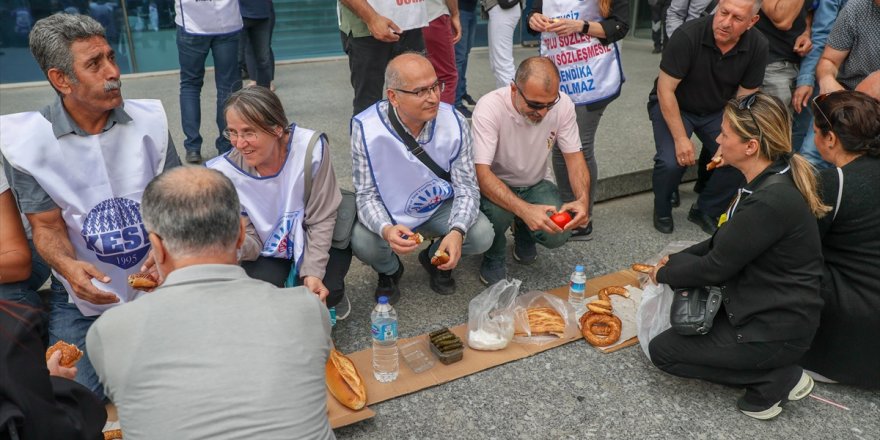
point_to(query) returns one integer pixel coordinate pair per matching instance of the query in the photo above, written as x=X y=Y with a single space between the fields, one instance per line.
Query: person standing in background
x=468 y=18
x=503 y=17
x=441 y=35
x=256 y=35
x=204 y=27
x=373 y=32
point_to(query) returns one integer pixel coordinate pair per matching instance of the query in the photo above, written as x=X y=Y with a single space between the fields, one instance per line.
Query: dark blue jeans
x=723 y=182
x=192 y=51
x=67 y=323
x=463 y=49
x=257 y=35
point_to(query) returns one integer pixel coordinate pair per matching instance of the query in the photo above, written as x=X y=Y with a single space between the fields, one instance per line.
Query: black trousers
x=275 y=271
x=367 y=58
x=767 y=370
x=722 y=183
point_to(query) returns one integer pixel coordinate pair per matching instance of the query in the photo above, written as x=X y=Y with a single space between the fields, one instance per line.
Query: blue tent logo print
x=427 y=198
x=115 y=232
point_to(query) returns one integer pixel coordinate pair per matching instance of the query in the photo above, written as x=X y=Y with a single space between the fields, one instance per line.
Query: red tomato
x=561 y=218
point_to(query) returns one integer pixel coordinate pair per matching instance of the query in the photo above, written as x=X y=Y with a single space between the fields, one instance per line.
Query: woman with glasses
x=847 y=348
x=289 y=232
x=580 y=37
x=765 y=258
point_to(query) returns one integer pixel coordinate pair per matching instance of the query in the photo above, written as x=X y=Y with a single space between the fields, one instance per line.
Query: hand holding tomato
x=561 y=218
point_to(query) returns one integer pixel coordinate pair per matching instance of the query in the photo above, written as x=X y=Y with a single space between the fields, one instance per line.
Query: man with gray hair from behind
x=78 y=168
x=211 y=353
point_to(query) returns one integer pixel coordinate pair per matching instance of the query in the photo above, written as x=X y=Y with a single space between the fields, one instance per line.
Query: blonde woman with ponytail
x=766 y=257
x=580 y=36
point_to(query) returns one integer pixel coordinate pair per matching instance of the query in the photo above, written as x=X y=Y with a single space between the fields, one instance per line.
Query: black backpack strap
x=415 y=148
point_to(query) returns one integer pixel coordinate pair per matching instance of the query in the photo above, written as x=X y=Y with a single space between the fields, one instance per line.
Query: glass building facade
x=143 y=32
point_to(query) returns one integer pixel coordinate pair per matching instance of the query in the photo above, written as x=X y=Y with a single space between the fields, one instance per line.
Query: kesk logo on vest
x=424 y=200
x=281 y=241
x=115 y=232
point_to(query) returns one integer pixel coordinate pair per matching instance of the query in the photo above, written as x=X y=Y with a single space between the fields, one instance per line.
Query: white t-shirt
x=4 y=186
x=516 y=150
x=436 y=8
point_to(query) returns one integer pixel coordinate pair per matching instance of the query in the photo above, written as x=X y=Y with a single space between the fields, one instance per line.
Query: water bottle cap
x=579 y=268
x=383 y=300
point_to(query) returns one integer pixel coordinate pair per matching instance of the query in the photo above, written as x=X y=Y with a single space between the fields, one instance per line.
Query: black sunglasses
x=818 y=100
x=537 y=105
x=746 y=103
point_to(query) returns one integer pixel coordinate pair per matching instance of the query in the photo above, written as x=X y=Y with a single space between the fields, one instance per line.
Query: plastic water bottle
x=576 y=288
x=384 y=330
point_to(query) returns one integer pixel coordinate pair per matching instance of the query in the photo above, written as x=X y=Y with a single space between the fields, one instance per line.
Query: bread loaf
x=344 y=381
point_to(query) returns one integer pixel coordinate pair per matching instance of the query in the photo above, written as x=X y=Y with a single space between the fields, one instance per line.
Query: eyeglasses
x=234 y=136
x=537 y=105
x=423 y=92
x=745 y=103
x=816 y=101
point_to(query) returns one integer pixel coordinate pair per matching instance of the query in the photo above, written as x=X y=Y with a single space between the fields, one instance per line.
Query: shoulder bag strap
x=415 y=148
x=307 y=176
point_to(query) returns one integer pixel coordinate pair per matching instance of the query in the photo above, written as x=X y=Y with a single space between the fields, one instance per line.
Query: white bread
x=344 y=381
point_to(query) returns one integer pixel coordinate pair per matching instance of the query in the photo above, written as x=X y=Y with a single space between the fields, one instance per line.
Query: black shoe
x=469 y=100
x=708 y=224
x=193 y=157
x=675 y=199
x=582 y=234
x=441 y=280
x=465 y=112
x=389 y=285
x=657 y=49
x=663 y=224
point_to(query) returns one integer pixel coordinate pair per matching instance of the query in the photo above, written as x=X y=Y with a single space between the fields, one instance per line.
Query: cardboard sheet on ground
x=475 y=361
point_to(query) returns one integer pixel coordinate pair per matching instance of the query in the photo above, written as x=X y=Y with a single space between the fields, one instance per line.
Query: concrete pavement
x=568 y=392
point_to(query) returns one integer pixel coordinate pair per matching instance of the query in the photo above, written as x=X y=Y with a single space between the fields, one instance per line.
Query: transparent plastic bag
x=652 y=317
x=490 y=316
x=534 y=299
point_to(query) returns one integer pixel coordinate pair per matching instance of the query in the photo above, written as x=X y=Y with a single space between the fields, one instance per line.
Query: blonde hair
x=773 y=131
x=605 y=8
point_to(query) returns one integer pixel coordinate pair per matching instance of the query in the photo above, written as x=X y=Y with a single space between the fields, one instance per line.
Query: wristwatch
x=586 y=27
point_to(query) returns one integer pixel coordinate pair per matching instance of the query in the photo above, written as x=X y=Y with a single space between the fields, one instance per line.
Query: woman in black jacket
x=580 y=36
x=847 y=348
x=765 y=257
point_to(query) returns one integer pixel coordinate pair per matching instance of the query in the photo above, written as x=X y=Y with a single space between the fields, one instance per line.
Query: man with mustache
x=515 y=128
x=414 y=176
x=78 y=168
x=706 y=62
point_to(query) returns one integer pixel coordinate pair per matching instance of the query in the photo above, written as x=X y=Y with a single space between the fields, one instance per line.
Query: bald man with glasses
x=414 y=173
x=515 y=128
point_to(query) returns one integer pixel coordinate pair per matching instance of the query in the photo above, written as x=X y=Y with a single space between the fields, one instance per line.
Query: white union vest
x=410 y=191
x=98 y=182
x=589 y=71
x=274 y=204
x=208 y=17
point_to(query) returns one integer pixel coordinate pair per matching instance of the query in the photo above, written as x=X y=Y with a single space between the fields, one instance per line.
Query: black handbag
x=694 y=309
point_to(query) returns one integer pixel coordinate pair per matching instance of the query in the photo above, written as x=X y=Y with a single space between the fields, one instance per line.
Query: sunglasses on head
x=818 y=100
x=746 y=103
x=538 y=105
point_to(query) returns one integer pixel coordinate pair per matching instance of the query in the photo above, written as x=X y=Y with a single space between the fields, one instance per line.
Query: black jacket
x=40 y=406
x=767 y=259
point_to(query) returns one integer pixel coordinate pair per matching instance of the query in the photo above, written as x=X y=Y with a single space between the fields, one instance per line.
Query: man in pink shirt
x=515 y=129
